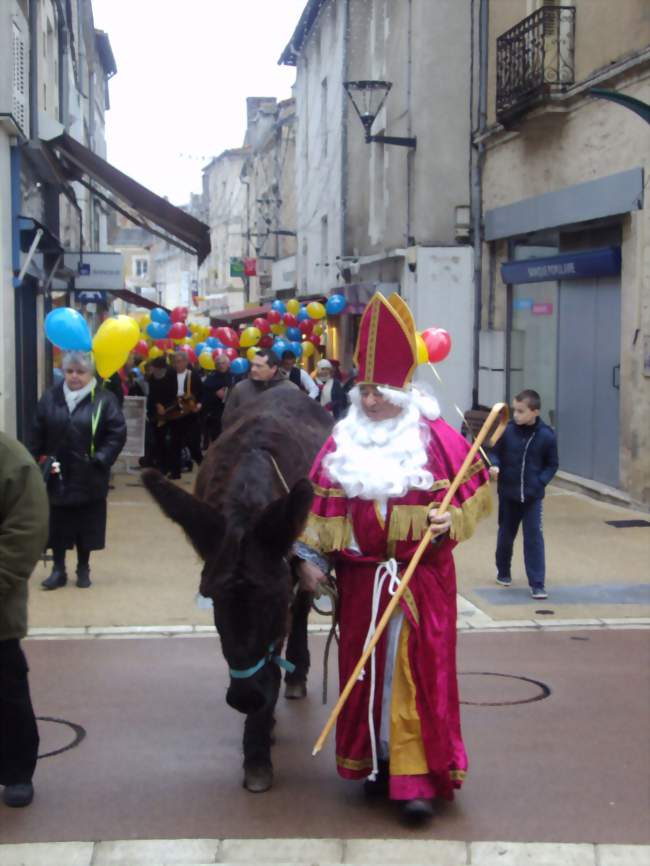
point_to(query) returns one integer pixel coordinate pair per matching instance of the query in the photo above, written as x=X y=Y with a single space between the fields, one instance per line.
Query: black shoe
x=378 y=787
x=83 y=576
x=417 y=810
x=19 y=795
x=504 y=580
x=56 y=579
x=538 y=592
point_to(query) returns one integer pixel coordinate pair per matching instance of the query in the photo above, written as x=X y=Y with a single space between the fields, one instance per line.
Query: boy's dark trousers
x=18 y=731
x=529 y=514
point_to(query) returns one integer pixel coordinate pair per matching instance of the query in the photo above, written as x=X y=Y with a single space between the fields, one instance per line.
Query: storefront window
x=533 y=337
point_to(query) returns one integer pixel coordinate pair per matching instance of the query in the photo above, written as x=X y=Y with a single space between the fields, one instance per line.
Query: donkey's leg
x=297 y=648
x=258 y=728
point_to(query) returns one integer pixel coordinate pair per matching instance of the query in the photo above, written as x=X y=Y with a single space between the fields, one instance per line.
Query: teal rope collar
x=269 y=657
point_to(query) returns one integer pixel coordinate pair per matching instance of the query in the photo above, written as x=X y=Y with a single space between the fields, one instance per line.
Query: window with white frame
x=140 y=267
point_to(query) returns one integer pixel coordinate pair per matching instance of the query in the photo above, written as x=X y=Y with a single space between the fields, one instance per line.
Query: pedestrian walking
x=524 y=461
x=332 y=397
x=265 y=374
x=215 y=393
x=23 y=533
x=376 y=483
x=183 y=416
x=298 y=376
x=78 y=434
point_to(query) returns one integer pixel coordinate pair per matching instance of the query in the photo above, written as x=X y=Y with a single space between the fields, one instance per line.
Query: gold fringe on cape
x=326 y=534
x=465 y=518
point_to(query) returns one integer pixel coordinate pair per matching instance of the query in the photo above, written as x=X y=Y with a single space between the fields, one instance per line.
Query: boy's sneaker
x=504 y=581
x=538 y=592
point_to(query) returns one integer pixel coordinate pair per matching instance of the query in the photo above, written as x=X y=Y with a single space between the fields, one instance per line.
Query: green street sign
x=236 y=267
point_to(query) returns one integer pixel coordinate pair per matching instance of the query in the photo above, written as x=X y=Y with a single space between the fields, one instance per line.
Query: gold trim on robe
x=407 y=757
x=326 y=534
x=465 y=518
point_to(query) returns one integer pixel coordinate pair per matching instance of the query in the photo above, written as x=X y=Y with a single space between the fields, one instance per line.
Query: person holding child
x=524 y=460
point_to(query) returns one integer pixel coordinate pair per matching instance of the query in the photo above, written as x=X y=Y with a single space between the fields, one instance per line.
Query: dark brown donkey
x=243 y=522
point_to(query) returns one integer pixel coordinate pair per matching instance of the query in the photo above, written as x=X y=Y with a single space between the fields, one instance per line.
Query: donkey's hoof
x=295 y=691
x=258 y=779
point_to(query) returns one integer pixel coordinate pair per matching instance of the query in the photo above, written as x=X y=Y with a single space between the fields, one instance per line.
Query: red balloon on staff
x=438 y=343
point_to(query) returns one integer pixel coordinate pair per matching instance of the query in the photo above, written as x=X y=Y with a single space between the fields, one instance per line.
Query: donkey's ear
x=283 y=520
x=203 y=525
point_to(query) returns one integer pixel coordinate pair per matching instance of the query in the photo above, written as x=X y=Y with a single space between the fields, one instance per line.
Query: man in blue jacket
x=524 y=460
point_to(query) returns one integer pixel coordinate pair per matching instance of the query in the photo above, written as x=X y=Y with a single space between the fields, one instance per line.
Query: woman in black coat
x=78 y=433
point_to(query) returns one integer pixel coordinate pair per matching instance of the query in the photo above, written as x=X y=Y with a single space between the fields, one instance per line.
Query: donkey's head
x=246 y=573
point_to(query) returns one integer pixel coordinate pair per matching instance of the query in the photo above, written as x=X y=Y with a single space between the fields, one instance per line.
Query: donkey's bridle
x=271 y=656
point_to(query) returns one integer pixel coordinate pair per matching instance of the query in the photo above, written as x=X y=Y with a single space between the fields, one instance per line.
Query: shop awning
x=241 y=316
x=75 y=162
x=136 y=299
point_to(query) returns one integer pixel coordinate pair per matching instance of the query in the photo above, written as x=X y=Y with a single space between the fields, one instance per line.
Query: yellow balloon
x=206 y=361
x=308 y=349
x=423 y=352
x=112 y=343
x=194 y=327
x=154 y=352
x=278 y=329
x=318 y=330
x=249 y=337
x=145 y=319
x=250 y=353
x=293 y=306
x=316 y=310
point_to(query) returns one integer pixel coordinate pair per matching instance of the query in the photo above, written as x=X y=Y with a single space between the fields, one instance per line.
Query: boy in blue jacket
x=524 y=460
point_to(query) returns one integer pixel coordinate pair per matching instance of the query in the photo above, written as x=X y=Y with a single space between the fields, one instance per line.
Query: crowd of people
x=373 y=484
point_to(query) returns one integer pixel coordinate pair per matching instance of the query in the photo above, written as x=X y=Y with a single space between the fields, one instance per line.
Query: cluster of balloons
x=292 y=326
x=115 y=339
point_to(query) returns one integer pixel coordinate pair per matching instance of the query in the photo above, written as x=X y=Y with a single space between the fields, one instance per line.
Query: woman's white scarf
x=73 y=398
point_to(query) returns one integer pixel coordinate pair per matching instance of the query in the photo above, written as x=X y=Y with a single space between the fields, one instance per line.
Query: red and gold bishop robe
x=426 y=753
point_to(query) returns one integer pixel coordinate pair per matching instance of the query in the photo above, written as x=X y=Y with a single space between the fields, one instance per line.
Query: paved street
x=129 y=673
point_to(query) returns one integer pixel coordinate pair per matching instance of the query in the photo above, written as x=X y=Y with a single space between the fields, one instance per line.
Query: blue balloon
x=199 y=348
x=280 y=346
x=296 y=348
x=68 y=330
x=160 y=315
x=279 y=307
x=158 y=330
x=294 y=335
x=239 y=366
x=213 y=343
x=335 y=305
x=302 y=314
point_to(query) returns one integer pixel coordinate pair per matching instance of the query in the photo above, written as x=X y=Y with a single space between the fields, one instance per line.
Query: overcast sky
x=184 y=72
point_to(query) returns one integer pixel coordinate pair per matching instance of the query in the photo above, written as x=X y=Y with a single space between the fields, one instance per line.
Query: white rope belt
x=383 y=571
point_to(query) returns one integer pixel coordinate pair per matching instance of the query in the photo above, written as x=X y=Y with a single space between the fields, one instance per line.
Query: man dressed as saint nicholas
x=376 y=481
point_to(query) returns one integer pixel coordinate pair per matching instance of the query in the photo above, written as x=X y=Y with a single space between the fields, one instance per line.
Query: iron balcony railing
x=535 y=59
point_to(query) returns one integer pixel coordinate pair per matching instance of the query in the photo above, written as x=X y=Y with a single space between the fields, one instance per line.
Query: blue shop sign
x=605 y=262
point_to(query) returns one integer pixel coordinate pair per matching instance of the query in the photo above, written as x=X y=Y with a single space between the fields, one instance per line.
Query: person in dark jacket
x=79 y=431
x=332 y=396
x=23 y=532
x=265 y=374
x=524 y=461
x=215 y=392
x=162 y=393
x=185 y=429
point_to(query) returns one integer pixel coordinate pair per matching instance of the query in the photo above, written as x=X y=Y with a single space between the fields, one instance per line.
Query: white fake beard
x=381 y=459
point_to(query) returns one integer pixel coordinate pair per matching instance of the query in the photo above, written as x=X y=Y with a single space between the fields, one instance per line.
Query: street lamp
x=368 y=98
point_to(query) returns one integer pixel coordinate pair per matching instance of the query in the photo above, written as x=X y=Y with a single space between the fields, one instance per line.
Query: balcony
x=535 y=61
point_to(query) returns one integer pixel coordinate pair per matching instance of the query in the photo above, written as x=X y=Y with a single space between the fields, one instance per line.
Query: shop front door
x=588 y=378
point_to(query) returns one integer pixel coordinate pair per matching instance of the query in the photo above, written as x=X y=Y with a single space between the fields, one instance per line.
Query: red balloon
x=178 y=314
x=189 y=351
x=232 y=353
x=228 y=337
x=217 y=352
x=262 y=325
x=266 y=341
x=306 y=326
x=141 y=349
x=273 y=317
x=290 y=320
x=438 y=343
x=164 y=344
x=213 y=332
x=178 y=331
x=314 y=338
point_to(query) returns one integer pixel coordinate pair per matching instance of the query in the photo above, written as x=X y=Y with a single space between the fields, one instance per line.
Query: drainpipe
x=33 y=69
x=477 y=181
x=410 y=153
x=344 y=128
